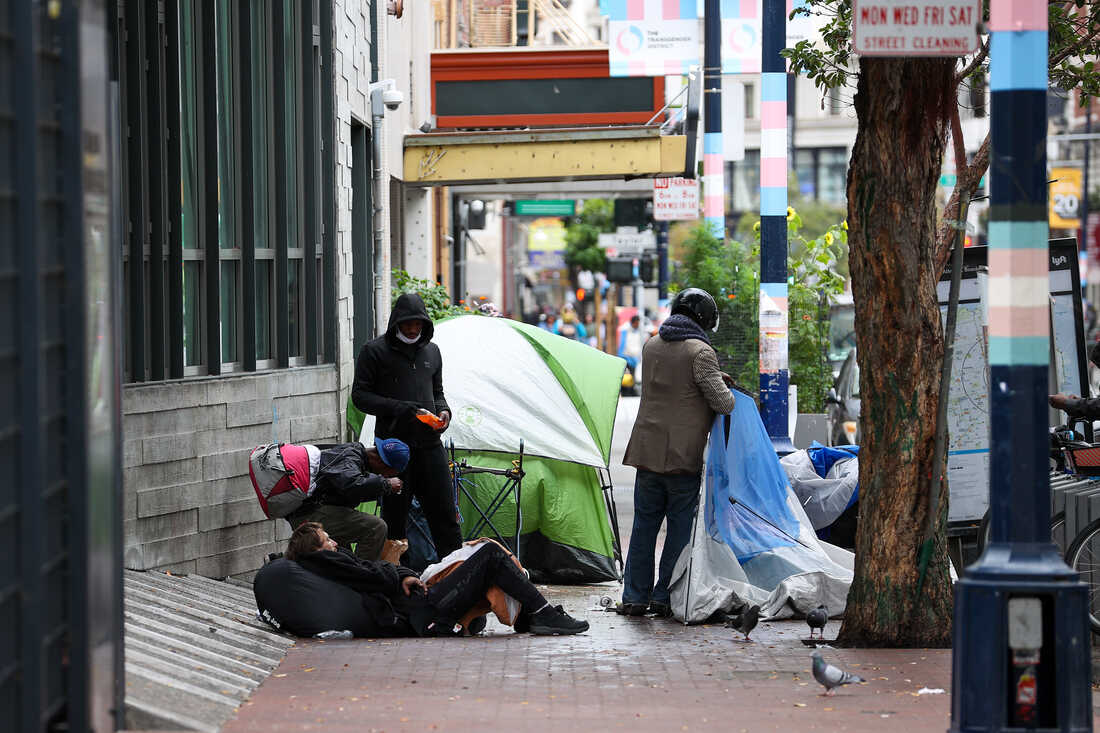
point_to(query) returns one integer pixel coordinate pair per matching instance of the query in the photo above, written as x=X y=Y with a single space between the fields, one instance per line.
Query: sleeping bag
x=303 y=603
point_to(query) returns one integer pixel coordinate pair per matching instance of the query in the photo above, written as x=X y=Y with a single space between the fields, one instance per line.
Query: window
x=744 y=183
x=190 y=223
x=750 y=101
x=254 y=62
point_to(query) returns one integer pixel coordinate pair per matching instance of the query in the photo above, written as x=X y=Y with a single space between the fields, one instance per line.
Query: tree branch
x=982 y=55
x=966 y=182
x=1075 y=49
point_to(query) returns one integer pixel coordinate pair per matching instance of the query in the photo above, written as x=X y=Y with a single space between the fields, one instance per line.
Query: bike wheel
x=1058 y=531
x=1083 y=556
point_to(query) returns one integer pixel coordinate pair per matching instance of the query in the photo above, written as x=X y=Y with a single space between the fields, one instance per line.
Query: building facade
x=256 y=282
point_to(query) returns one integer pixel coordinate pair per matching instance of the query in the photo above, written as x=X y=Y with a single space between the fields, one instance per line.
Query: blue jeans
x=658 y=497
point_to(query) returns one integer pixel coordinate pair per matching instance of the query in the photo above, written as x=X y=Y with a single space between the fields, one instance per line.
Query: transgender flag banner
x=652 y=37
x=741 y=44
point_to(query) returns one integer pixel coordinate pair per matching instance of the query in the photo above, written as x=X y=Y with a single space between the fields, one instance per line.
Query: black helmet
x=696 y=304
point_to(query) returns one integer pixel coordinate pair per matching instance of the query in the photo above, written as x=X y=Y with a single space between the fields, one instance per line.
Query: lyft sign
x=916 y=27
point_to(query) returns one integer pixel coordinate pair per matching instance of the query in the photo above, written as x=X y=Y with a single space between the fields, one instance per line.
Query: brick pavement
x=631 y=674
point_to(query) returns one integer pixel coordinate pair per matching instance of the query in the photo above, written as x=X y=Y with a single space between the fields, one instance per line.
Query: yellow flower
x=845 y=225
x=790 y=213
x=756 y=227
x=828 y=237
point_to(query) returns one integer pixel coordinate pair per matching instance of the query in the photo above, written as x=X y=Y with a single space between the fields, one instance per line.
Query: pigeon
x=830 y=676
x=746 y=622
x=816 y=619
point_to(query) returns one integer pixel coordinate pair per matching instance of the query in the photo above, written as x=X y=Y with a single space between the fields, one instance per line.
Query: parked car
x=842 y=404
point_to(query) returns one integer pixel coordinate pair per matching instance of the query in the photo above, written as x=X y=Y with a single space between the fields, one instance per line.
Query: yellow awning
x=574 y=154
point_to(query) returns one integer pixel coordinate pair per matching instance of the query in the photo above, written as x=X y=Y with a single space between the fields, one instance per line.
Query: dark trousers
x=428 y=478
x=460 y=591
x=658 y=497
x=347 y=527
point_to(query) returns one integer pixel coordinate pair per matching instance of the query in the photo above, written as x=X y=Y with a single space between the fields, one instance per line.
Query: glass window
x=227 y=95
x=833 y=175
x=745 y=183
x=189 y=124
x=750 y=101
x=261 y=120
x=229 y=309
x=805 y=174
x=294 y=287
x=264 y=273
x=192 y=310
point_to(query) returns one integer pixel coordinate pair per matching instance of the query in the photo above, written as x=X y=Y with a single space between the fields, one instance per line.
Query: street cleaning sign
x=916 y=27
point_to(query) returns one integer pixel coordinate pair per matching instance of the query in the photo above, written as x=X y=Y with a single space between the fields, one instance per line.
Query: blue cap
x=393 y=452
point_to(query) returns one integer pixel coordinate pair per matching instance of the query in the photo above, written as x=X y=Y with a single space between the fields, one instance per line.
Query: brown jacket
x=682 y=389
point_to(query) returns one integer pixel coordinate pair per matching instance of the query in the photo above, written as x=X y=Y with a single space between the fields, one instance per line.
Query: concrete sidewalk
x=631 y=674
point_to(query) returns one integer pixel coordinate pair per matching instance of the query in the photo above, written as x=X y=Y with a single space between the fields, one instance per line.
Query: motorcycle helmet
x=696 y=304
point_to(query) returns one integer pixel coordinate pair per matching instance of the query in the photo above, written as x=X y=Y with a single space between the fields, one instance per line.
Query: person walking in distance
x=399 y=380
x=682 y=390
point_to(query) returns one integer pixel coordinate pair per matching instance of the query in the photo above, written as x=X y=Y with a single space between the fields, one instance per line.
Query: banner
x=546 y=244
x=1065 y=198
x=741 y=28
x=652 y=37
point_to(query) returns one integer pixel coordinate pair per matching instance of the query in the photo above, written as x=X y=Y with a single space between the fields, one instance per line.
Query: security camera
x=392 y=99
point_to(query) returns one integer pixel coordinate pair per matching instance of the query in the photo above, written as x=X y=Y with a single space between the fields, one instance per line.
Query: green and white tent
x=507 y=381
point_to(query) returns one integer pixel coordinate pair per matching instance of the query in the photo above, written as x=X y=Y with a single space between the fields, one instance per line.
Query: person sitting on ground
x=346 y=476
x=1080 y=407
x=319 y=587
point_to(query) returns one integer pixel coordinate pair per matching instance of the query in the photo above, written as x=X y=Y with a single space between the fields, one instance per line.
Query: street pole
x=714 y=187
x=662 y=263
x=774 y=370
x=1021 y=636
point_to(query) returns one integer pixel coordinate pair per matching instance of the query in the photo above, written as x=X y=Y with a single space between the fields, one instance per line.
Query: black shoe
x=659 y=610
x=476 y=626
x=630 y=609
x=550 y=622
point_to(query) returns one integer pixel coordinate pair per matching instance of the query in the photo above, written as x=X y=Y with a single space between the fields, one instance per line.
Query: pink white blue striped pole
x=714 y=185
x=1021 y=646
x=774 y=370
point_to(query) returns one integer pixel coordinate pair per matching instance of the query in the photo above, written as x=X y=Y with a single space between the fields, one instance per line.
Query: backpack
x=279 y=487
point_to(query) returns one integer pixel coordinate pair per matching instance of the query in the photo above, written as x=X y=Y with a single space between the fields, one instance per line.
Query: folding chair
x=511 y=486
x=606 y=487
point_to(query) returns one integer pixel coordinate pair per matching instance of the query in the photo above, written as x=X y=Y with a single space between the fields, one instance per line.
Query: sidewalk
x=630 y=674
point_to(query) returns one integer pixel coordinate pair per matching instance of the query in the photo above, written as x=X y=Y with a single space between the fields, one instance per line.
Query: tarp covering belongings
x=825 y=480
x=759 y=548
x=507 y=381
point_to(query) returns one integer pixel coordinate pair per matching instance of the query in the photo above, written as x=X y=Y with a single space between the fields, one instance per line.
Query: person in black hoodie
x=398 y=377
x=339 y=591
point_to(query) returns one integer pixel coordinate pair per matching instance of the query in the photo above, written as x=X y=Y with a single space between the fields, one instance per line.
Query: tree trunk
x=902 y=106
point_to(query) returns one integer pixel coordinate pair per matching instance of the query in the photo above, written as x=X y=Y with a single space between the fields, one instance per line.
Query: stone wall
x=189 y=504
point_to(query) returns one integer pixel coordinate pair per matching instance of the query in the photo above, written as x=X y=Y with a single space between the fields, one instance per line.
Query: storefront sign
x=546 y=207
x=915 y=28
x=675 y=199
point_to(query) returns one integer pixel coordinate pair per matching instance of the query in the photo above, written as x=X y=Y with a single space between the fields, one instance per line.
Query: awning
x=569 y=154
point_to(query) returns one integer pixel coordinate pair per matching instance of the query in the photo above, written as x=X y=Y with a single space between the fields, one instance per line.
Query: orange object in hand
x=430 y=420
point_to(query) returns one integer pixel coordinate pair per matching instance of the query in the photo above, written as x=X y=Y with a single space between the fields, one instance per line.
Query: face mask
x=405 y=339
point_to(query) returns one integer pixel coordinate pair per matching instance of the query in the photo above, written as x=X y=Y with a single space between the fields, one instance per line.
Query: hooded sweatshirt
x=393 y=379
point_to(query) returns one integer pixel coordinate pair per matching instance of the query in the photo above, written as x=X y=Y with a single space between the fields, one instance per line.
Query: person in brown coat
x=682 y=390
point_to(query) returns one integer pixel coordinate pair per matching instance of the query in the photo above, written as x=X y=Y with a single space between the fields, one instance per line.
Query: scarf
x=679 y=327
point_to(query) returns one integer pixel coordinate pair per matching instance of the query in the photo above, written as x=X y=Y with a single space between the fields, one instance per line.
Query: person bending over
x=346 y=476
x=392 y=600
